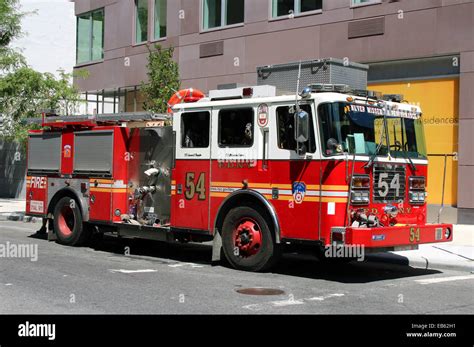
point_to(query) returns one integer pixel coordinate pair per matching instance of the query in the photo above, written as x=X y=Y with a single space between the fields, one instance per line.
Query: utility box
x=327 y=71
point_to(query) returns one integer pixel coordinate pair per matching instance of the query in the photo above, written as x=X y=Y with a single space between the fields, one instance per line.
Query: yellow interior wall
x=439 y=102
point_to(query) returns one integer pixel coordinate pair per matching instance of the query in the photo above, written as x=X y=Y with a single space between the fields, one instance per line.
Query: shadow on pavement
x=298 y=265
x=189 y=252
x=351 y=272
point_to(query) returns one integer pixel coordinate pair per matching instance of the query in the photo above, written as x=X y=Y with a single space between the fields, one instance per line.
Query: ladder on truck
x=129 y=119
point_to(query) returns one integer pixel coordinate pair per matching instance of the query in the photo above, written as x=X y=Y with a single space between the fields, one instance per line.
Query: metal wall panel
x=331 y=70
x=44 y=152
x=366 y=27
x=93 y=152
x=211 y=49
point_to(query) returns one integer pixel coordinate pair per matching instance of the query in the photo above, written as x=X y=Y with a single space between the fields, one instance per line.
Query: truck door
x=191 y=175
x=296 y=177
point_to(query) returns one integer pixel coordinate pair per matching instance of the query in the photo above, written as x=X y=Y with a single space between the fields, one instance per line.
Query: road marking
x=322 y=298
x=133 y=271
x=185 y=264
x=444 y=279
x=289 y=302
x=8 y=284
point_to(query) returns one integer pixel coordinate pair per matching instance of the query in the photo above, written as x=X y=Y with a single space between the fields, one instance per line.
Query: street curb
x=419 y=263
x=18 y=217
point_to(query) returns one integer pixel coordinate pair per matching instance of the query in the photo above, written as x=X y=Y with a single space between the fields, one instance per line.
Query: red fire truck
x=252 y=171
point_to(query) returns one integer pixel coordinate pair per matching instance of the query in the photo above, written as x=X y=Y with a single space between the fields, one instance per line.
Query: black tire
x=256 y=259
x=68 y=225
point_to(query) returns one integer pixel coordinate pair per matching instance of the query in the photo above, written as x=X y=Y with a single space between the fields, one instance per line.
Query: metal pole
x=103 y=100
x=135 y=99
x=444 y=184
x=115 y=100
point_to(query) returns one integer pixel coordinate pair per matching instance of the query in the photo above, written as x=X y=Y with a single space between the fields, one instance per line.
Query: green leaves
x=163 y=79
x=10 y=18
x=24 y=92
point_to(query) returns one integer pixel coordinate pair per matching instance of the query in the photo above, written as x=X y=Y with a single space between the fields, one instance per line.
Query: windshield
x=359 y=129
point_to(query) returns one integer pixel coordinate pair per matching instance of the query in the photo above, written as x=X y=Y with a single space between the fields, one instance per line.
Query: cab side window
x=195 y=129
x=236 y=127
x=286 y=128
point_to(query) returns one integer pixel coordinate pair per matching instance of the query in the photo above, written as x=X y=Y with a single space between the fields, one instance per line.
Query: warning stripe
x=325 y=187
x=109 y=190
x=314 y=193
x=289 y=198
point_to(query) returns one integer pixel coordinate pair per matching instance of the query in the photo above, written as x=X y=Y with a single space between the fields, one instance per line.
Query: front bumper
x=394 y=236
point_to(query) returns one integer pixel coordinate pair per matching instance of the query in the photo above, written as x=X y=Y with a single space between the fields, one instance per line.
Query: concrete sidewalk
x=458 y=254
x=14 y=210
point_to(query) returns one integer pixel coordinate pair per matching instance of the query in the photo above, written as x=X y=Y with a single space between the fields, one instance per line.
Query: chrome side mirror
x=302 y=127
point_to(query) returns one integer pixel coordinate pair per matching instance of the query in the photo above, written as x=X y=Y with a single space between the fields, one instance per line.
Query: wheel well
x=247 y=199
x=61 y=194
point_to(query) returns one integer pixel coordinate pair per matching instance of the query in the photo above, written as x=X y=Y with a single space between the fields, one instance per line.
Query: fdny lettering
x=402 y=210
x=236 y=165
x=38 y=182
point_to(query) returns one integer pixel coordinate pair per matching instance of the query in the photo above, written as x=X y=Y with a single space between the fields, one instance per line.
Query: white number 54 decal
x=384 y=187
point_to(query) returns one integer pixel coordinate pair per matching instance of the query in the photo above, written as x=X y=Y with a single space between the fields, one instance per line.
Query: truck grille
x=389 y=183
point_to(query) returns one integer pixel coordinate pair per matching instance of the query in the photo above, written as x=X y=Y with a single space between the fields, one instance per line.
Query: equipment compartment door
x=191 y=175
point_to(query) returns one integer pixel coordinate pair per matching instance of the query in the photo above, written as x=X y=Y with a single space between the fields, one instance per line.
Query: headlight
x=417 y=197
x=360 y=193
x=417 y=183
x=360 y=197
x=417 y=190
x=361 y=182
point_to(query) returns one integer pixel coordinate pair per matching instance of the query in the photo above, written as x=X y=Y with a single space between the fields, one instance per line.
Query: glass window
x=234 y=12
x=141 y=21
x=310 y=5
x=406 y=137
x=83 y=38
x=97 y=35
x=288 y=7
x=236 y=127
x=195 y=129
x=359 y=129
x=90 y=36
x=218 y=13
x=360 y=2
x=350 y=128
x=160 y=19
x=286 y=128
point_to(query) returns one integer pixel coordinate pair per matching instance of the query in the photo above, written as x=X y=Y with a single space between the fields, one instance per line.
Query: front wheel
x=68 y=224
x=247 y=240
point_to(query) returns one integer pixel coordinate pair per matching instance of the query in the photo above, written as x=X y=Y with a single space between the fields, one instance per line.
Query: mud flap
x=216 y=247
x=51 y=233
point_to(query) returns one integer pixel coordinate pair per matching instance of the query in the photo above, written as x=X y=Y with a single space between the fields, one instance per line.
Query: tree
x=163 y=79
x=25 y=92
x=10 y=29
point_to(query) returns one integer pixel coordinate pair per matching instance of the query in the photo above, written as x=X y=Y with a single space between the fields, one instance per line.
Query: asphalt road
x=160 y=278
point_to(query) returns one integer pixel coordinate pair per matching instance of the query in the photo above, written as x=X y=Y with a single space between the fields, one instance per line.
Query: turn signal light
x=361 y=182
x=417 y=183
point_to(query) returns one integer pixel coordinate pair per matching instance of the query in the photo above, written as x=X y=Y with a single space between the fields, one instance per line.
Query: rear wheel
x=247 y=240
x=68 y=224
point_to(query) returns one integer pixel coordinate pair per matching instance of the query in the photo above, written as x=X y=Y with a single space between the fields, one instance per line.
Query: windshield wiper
x=412 y=165
x=379 y=146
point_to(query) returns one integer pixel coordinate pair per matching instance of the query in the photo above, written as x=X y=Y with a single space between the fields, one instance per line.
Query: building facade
x=423 y=49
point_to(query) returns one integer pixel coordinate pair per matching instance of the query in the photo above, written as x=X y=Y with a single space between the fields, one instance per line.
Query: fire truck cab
x=253 y=171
